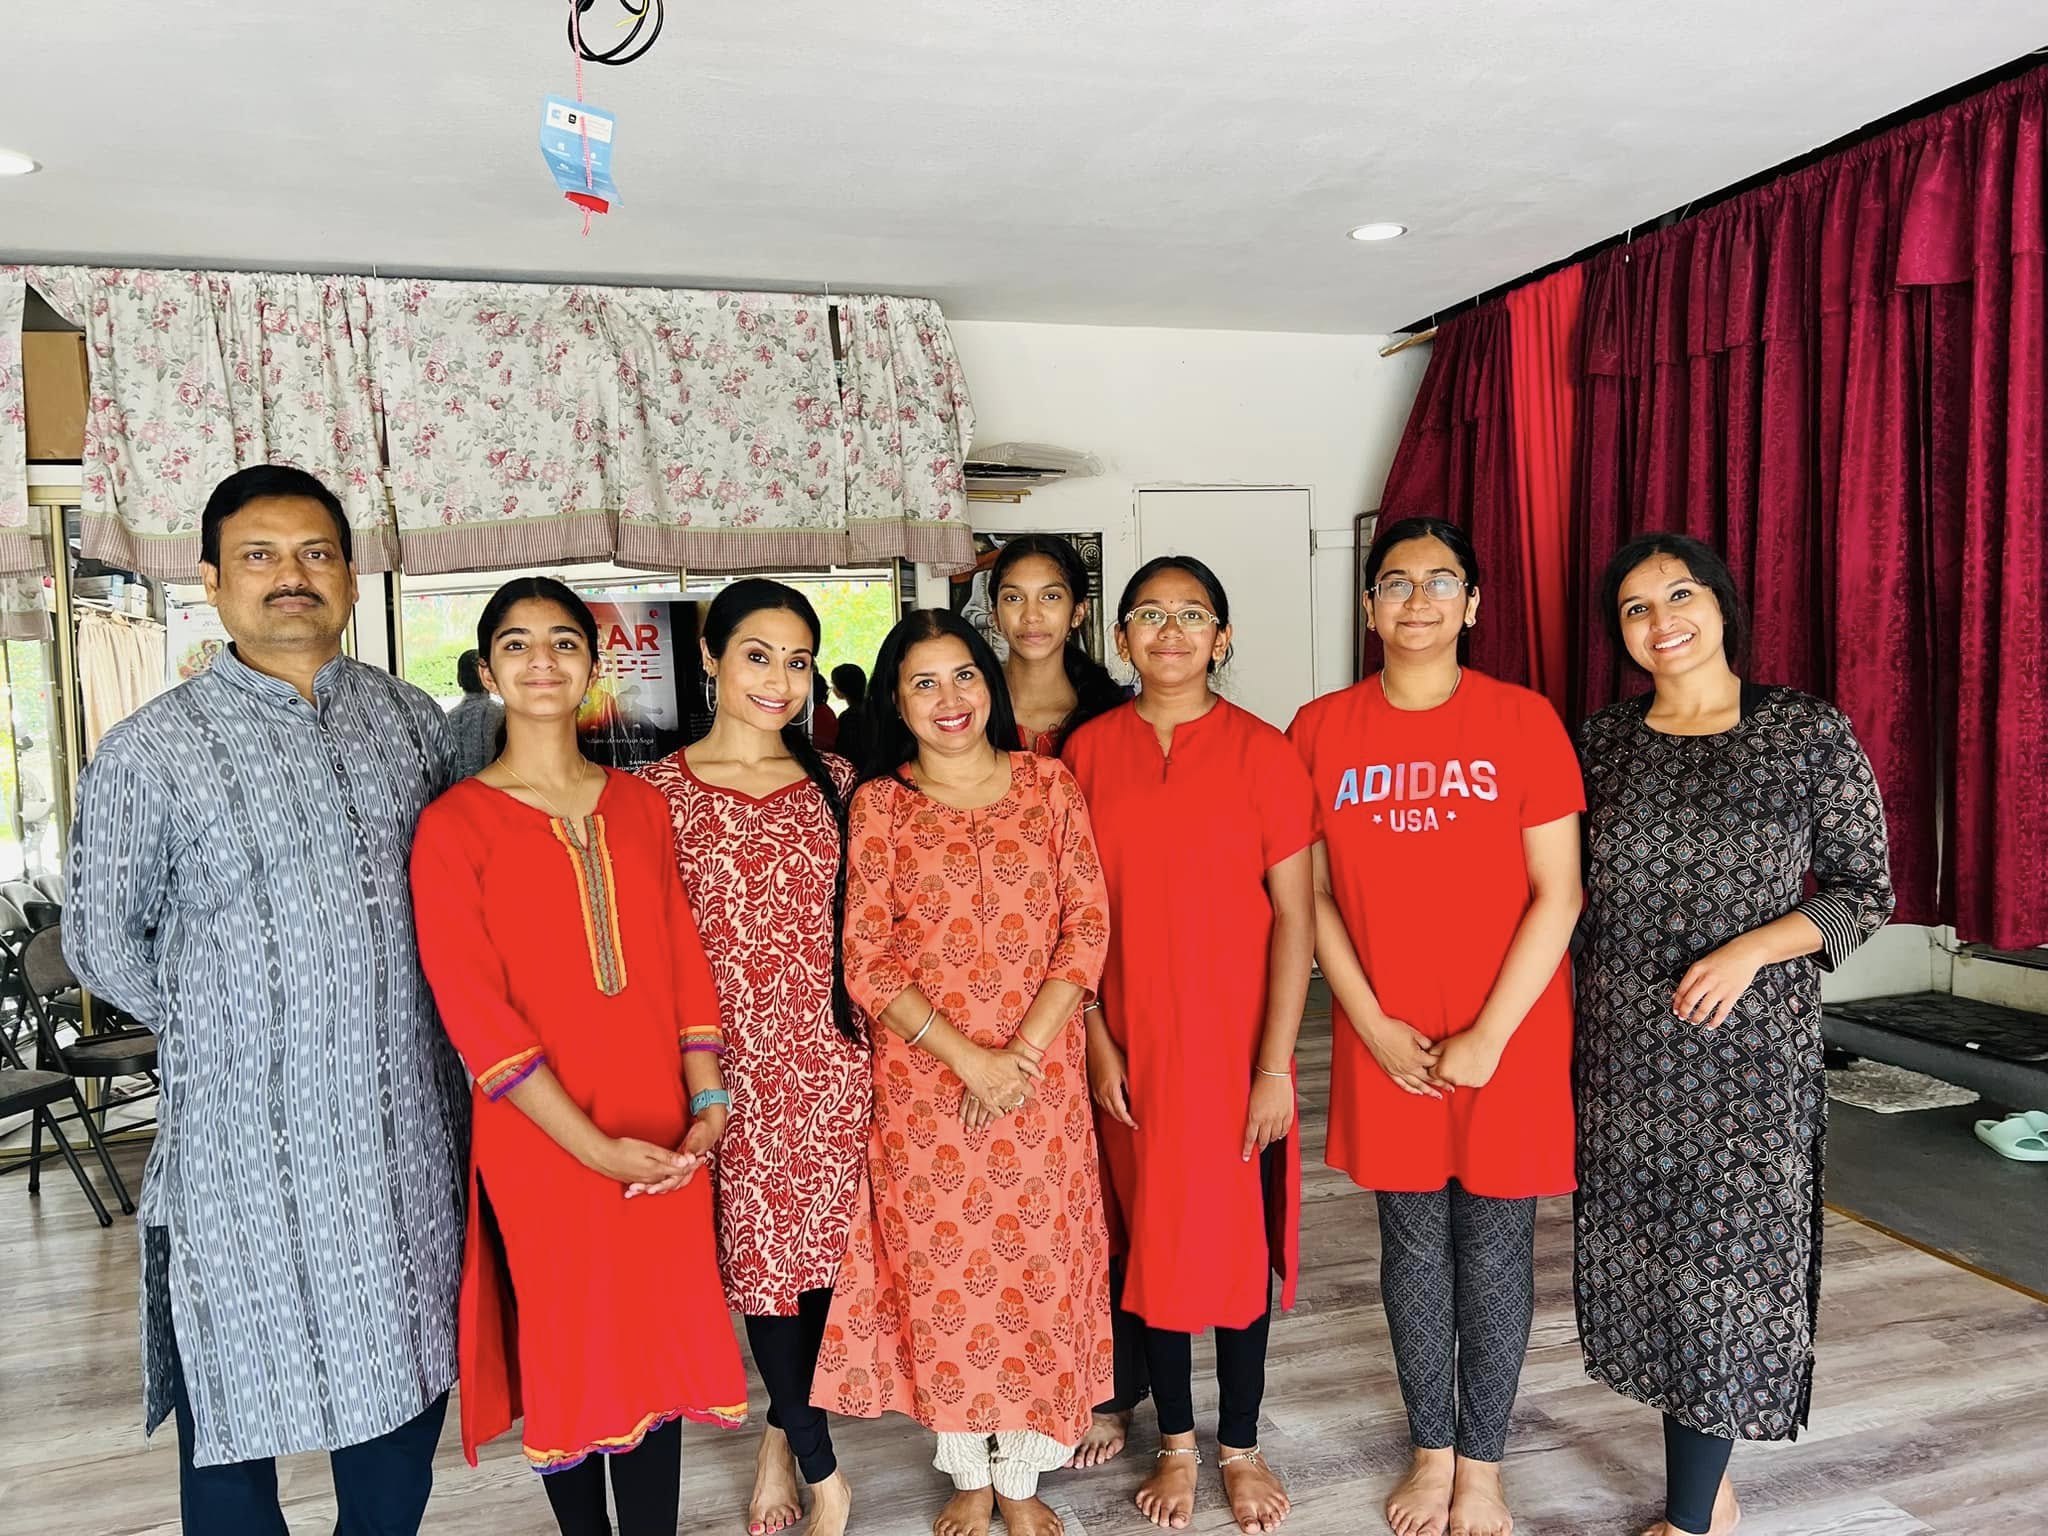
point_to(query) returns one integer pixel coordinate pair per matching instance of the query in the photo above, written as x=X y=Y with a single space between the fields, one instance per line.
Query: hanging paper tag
x=562 y=128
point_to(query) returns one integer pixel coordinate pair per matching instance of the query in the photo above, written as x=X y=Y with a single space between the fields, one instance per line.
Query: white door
x=1257 y=543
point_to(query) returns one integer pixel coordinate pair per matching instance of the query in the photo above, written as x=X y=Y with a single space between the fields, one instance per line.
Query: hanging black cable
x=625 y=50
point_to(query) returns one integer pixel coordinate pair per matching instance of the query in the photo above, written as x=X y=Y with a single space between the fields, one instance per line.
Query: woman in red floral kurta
x=758 y=816
x=975 y=1297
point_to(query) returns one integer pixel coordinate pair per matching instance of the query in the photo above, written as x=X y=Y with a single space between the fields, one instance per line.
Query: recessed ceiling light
x=1379 y=231
x=12 y=164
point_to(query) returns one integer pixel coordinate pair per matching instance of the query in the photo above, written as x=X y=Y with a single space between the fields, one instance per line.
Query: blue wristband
x=710 y=1096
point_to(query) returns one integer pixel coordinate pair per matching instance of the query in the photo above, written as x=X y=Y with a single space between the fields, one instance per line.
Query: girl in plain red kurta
x=975 y=1297
x=568 y=973
x=1448 y=886
x=1205 y=819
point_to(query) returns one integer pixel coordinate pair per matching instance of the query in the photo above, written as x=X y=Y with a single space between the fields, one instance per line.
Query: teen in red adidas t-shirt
x=1447 y=886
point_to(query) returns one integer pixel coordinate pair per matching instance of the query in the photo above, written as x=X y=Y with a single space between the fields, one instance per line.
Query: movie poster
x=645 y=703
x=971 y=599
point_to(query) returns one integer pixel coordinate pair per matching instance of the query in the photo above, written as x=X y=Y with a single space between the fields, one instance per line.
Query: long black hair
x=522 y=589
x=737 y=602
x=1187 y=565
x=890 y=742
x=1448 y=534
x=852 y=684
x=1095 y=691
x=1707 y=569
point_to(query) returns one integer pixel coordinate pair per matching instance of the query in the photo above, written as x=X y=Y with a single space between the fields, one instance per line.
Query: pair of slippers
x=2022 y=1137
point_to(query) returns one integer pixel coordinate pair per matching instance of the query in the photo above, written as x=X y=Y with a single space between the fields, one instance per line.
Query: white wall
x=1174 y=407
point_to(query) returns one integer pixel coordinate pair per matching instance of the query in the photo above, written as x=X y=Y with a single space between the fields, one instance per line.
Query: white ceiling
x=1102 y=161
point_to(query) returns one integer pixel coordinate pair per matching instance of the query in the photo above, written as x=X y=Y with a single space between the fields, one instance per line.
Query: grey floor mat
x=1962 y=1022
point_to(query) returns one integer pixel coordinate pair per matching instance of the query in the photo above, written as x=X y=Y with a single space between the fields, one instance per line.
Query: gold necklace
x=534 y=789
x=1455 y=684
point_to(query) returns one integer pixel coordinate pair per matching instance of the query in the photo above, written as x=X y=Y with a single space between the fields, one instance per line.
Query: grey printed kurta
x=238 y=881
x=1698 y=1215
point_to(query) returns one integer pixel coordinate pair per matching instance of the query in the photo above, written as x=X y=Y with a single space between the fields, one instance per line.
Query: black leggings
x=786 y=1353
x=1133 y=1376
x=647 y=1484
x=1694 y=1464
x=1458 y=1279
x=1240 y=1379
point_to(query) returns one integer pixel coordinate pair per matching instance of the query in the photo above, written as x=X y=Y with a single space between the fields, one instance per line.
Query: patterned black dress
x=1698 y=1216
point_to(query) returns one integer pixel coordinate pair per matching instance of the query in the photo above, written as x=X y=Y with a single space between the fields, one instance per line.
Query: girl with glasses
x=1205 y=817
x=1447 y=886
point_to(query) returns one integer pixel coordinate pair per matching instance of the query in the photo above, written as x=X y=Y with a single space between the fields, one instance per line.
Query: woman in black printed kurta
x=1701 y=1101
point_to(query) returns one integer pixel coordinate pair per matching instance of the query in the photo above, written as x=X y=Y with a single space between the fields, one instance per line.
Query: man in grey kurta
x=238 y=881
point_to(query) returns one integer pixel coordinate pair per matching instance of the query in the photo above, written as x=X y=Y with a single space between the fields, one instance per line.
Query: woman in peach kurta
x=975 y=1296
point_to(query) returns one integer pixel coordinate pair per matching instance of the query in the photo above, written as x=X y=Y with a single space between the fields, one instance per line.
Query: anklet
x=1254 y=1454
x=1194 y=1451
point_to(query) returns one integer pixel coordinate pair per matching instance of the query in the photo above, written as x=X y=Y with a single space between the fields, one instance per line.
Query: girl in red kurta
x=1205 y=818
x=759 y=819
x=568 y=973
x=975 y=1297
x=1447 y=888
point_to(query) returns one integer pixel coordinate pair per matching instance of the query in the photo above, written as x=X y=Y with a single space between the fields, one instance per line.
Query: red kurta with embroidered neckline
x=1186 y=839
x=583 y=956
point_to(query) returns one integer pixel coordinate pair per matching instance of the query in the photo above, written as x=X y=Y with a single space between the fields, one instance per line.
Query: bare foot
x=1727 y=1515
x=966 y=1513
x=1167 y=1497
x=775 y=1505
x=1029 y=1517
x=831 y=1505
x=1104 y=1440
x=1479 y=1505
x=1420 y=1504
x=1258 y=1499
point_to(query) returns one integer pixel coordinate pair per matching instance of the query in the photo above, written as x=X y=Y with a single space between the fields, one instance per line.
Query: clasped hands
x=999 y=1082
x=647 y=1169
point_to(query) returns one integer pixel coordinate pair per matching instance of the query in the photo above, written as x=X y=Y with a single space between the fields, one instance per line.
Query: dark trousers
x=647 y=1487
x=785 y=1351
x=1694 y=1464
x=1240 y=1379
x=1458 y=1279
x=1133 y=1383
x=381 y=1485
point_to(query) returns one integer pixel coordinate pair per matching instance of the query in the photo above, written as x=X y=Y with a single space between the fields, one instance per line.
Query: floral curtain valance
x=16 y=550
x=195 y=374
x=523 y=423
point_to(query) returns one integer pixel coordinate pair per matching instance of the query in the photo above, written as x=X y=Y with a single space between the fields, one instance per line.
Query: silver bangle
x=928 y=1018
x=1264 y=1073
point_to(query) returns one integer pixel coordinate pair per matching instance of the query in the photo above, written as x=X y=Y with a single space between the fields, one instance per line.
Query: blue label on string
x=563 y=125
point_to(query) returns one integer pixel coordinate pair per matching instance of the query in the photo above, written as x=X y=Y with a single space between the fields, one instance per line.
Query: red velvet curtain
x=1543 y=321
x=1974 y=250
x=1840 y=380
x=1457 y=461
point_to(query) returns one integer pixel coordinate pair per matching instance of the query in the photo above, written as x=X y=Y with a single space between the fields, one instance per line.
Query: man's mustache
x=299 y=592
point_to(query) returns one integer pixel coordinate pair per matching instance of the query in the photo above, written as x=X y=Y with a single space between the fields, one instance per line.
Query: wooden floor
x=1931 y=1410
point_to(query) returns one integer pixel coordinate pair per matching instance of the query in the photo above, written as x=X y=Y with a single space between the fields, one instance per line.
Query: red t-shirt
x=1423 y=813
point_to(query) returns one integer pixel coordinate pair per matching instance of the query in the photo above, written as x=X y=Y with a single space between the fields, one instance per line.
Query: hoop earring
x=711 y=691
